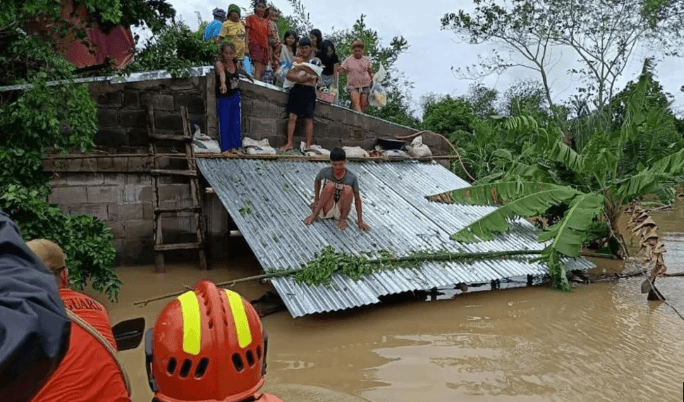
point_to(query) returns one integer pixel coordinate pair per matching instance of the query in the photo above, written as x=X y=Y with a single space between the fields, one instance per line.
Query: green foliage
x=603 y=34
x=87 y=242
x=569 y=234
x=525 y=199
x=582 y=190
x=60 y=118
x=299 y=21
x=328 y=262
x=176 y=49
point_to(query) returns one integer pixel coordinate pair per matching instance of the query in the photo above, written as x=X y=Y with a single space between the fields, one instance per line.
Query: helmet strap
x=263 y=367
x=149 y=354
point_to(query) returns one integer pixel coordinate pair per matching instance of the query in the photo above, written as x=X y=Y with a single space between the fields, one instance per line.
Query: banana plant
x=596 y=191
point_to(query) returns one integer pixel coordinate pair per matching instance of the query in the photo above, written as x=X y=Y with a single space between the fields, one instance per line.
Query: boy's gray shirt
x=349 y=178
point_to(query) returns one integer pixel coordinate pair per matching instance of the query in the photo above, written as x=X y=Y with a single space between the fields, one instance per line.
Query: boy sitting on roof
x=338 y=189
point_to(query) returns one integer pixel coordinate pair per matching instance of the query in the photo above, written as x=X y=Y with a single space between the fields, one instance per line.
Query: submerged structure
x=268 y=200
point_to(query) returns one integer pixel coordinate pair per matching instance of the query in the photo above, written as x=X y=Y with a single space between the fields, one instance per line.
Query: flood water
x=600 y=342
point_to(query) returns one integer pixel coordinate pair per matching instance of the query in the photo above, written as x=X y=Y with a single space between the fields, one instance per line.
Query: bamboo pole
x=427 y=257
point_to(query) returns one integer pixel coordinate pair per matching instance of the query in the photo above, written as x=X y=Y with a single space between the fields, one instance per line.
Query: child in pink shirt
x=359 y=76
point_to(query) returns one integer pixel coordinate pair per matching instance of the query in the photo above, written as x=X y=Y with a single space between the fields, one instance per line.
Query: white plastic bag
x=281 y=75
x=355 y=152
x=254 y=147
x=417 y=149
x=378 y=94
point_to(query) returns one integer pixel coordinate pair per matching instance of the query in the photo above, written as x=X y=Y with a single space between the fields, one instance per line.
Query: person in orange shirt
x=207 y=345
x=258 y=32
x=88 y=372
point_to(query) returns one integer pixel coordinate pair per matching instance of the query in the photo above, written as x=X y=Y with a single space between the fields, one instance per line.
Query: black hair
x=319 y=37
x=223 y=46
x=305 y=41
x=296 y=40
x=328 y=43
x=338 y=154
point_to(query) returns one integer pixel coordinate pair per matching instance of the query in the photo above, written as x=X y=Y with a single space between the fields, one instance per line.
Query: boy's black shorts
x=302 y=101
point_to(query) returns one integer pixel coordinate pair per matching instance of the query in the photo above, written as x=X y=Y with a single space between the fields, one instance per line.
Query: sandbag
x=203 y=144
x=417 y=149
x=356 y=152
x=314 y=150
x=254 y=147
x=394 y=153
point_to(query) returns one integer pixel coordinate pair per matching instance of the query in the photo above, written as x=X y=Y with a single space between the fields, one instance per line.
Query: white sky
x=433 y=51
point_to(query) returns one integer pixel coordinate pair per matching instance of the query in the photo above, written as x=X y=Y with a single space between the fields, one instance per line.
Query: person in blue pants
x=228 y=97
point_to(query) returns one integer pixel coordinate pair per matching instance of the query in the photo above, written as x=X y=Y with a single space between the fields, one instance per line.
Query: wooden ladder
x=159 y=246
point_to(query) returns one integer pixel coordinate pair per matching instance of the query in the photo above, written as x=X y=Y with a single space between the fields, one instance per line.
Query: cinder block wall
x=118 y=190
x=264 y=116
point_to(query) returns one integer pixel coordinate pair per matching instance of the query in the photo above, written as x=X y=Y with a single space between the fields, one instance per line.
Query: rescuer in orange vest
x=207 y=345
x=88 y=372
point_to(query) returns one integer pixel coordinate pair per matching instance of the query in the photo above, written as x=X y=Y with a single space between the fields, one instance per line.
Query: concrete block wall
x=124 y=202
x=122 y=110
x=264 y=116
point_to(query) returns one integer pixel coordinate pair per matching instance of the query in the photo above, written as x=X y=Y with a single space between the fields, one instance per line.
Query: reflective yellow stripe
x=192 y=326
x=239 y=318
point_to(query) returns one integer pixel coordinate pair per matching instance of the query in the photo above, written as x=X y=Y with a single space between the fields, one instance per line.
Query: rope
x=92 y=331
x=660 y=297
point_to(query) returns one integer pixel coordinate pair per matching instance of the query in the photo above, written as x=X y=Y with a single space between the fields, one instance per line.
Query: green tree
x=300 y=20
x=174 y=48
x=603 y=34
x=594 y=190
x=62 y=118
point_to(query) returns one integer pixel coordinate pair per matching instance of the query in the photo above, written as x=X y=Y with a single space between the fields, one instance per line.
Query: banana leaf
x=570 y=232
x=528 y=199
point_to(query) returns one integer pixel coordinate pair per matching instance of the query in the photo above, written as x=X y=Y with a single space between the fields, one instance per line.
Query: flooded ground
x=601 y=342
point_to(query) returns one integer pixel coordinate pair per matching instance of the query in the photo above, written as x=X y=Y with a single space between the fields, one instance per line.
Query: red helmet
x=207 y=345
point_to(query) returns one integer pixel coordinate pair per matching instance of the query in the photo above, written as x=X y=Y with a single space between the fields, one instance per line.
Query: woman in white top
x=289 y=50
x=287 y=53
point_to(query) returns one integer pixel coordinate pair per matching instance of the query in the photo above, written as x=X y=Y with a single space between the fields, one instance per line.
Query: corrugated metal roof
x=402 y=220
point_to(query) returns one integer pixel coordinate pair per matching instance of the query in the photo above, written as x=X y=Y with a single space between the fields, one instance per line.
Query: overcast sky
x=433 y=51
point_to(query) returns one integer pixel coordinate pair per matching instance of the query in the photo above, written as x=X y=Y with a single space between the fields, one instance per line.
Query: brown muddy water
x=600 y=342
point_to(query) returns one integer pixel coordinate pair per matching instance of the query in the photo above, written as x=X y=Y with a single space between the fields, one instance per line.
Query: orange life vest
x=88 y=372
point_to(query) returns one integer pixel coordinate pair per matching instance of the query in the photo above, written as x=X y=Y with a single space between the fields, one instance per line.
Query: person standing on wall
x=330 y=62
x=272 y=14
x=88 y=371
x=316 y=42
x=258 y=32
x=360 y=76
x=228 y=97
x=301 y=101
x=287 y=54
x=214 y=27
x=234 y=31
x=34 y=326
